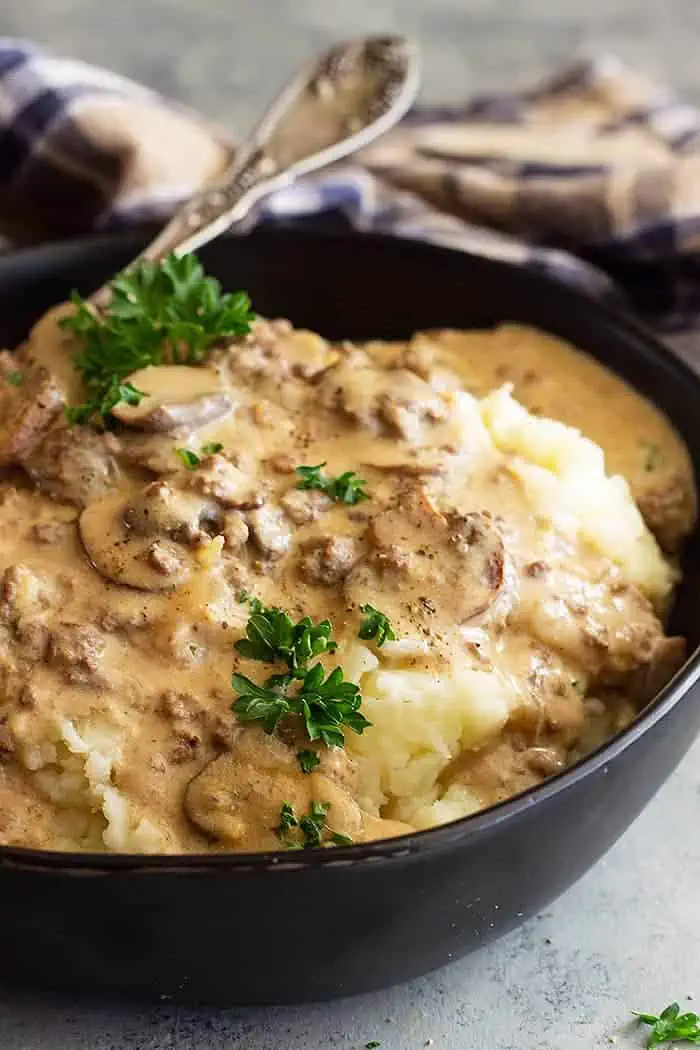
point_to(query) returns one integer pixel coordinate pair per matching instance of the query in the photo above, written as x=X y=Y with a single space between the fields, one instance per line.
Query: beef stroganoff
x=263 y=591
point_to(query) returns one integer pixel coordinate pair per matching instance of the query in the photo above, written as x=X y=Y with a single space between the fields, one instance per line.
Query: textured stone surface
x=227 y=56
x=626 y=937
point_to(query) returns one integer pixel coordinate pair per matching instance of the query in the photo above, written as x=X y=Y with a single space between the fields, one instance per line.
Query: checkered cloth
x=593 y=175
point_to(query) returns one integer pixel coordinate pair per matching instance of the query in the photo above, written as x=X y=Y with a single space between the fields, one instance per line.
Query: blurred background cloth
x=592 y=176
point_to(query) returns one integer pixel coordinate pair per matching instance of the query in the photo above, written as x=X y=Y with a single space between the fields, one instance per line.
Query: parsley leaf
x=372 y=1045
x=324 y=705
x=309 y=831
x=311 y=477
x=190 y=459
x=114 y=392
x=272 y=637
x=287 y=820
x=259 y=703
x=308 y=760
x=671 y=1026
x=347 y=488
x=159 y=313
x=14 y=378
x=375 y=625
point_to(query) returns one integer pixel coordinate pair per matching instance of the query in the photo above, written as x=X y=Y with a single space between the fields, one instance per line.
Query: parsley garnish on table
x=310 y=831
x=325 y=704
x=159 y=313
x=346 y=488
x=375 y=625
x=671 y=1026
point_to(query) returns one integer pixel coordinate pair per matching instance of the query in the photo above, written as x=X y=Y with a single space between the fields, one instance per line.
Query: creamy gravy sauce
x=443 y=540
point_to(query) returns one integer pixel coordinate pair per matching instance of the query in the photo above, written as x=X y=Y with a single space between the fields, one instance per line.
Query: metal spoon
x=336 y=105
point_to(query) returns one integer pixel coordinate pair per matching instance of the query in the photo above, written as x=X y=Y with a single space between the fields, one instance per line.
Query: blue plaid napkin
x=593 y=176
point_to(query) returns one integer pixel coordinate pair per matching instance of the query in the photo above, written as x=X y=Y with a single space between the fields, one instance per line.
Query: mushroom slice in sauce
x=433 y=571
x=146 y=541
x=236 y=799
x=176 y=396
x=306 y=353
x=409 y=462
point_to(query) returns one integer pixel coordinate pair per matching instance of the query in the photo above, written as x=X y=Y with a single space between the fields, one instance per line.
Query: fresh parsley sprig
x=272 y=637
x=376 y=625
x=312 y=828
x=671 y=1026
x=159 y=313
x=346 y=488
x=323 y=704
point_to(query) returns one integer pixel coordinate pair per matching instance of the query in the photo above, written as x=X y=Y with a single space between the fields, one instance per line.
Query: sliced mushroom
x=147 y=541
x=397 y=401
x=26 y=413
x=176 y=396
x=237 y=797
x=162 y=509
x=424 y=462
x=430 y=572
x=307 y=353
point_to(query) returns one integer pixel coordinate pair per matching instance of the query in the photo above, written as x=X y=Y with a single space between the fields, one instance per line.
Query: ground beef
x=78 y=651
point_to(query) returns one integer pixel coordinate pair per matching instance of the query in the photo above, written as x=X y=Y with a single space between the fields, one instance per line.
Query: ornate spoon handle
x=335 y=106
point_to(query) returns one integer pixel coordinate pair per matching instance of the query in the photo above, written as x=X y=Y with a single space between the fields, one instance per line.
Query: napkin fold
x=591 y=176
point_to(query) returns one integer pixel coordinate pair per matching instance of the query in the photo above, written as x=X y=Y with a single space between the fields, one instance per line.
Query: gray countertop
x=226 y=56
x=626 y=936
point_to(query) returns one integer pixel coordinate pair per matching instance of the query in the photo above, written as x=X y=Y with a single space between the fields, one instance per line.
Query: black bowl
x=276 y=928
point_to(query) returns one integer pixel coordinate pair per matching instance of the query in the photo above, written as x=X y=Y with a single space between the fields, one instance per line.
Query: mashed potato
x=421 y=721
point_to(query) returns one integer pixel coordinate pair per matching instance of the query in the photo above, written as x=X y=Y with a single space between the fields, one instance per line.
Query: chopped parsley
x=192 y=460
x=159 y=313
x=671 y=1026
x=310 y=831
x=324 y=704
x=14 y=378
x=372 y=1045
x=346 y=488
x=375 y=625
x=272 y=637
x=189 y=458
x=308 y=760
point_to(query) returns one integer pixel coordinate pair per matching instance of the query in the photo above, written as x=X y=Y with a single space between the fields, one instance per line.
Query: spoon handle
x=336 y=105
